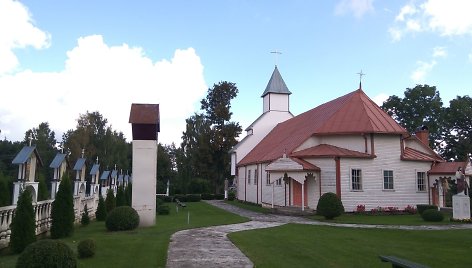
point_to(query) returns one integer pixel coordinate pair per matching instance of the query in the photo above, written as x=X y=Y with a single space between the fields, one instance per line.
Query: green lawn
x=294 y=245
x=249 y=207
x=144 y=247
x=385 y=219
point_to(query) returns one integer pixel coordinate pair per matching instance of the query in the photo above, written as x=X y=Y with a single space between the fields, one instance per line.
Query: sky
x=60 y=59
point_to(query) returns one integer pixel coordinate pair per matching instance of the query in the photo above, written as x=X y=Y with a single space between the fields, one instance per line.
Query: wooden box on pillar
x=145 y=125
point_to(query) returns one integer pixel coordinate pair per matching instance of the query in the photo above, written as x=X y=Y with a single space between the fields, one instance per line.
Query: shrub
x=86 y=248
x=360 y=209
x=47 y=253
x=23 y=223
x=166 y=199
x=194 y=197
x=410 y=210
x=207 y=196
x=101 y=213
x=329 y=206
x=122 y=218
x=181 y=197
x=159 y=202
x=129 y=194
x=120 y=196
x=110 y=200
x=219 y=196
x=422 y=207
x=85 y=220
x=432 y=215
x=62 y=213
x=163 y=210
x=231 y=195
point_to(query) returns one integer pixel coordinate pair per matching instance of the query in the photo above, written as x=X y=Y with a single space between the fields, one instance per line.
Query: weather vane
x=361 y=74
x=276 y=53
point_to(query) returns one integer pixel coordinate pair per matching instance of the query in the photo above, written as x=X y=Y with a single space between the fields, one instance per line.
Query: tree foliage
x=120 y=196
x=43 y=193
x=129 y=194
x=62 y=213
x=4 y=191
x=101 y=213
x=110 y=200
x=421 y=106
x=458 y=131
x=23 y=224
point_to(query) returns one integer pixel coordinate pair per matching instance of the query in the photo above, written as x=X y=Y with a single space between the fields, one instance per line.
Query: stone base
x=460 y=207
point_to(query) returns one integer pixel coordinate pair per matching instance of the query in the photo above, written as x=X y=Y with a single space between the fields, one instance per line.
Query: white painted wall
x=144 y=180
x=276 y=102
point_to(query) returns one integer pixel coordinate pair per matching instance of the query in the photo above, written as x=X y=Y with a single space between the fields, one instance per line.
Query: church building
x=348 y=146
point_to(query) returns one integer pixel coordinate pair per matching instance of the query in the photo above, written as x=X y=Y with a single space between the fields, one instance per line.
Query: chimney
x=422 y=133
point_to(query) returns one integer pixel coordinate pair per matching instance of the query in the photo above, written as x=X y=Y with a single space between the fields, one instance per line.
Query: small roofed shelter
x=59 y=165
x=144 y=119
x=105 y=182
x=79 y=182
x=440 y=176
x=113 y=179
x=120 y=180
x=28 y=160
x=94 y=178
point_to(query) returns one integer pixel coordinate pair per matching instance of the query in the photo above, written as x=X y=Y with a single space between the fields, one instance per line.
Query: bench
x=180 y=204
x=398 y=262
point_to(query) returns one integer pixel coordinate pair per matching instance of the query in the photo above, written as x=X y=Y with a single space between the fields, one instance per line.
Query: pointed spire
x=276 y=84
x=361 y=74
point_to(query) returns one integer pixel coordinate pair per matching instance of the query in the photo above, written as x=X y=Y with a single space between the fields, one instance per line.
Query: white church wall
x=276 y=102
x=417 y=145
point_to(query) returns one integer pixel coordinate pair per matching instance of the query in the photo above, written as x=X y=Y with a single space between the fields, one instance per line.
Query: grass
x=294 y=245
x=384 y=219
x=250 y=207
x=143 y=247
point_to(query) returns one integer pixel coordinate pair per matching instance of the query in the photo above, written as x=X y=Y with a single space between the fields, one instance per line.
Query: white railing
x=42 y=211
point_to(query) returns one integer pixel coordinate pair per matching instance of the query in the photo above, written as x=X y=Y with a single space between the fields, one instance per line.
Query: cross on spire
x=276 y=54
x=97 y=159
x=83 y=153
x=361 y=74
x=30 y=138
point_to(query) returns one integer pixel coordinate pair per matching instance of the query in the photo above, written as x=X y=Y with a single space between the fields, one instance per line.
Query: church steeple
x=276 y=94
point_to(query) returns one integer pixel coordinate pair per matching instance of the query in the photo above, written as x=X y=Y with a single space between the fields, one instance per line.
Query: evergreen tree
x=62 y=213
x=128 y=194
x=101 y=213
x=23 y=223
x=85 y=220
x=110 y=201
x=120 y=197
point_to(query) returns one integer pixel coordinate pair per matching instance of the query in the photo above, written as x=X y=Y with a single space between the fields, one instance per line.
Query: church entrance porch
x=297 y=189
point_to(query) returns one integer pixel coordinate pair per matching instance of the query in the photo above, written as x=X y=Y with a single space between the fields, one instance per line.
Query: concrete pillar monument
x=145 y=127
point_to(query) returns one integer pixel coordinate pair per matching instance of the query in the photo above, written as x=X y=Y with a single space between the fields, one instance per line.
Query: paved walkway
x=210 y=246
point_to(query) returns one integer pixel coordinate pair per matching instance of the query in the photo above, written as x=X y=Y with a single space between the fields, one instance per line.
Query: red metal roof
x=326 y=150
x=306 y=165
x=447 y=167
x=415 y=155
x=352 y=113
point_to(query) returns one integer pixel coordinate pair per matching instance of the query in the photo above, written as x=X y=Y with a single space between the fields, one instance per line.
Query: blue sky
x=62 y=58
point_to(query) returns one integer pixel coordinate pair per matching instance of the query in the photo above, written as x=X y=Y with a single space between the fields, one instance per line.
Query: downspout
x=338 y=176
x=402 y=146
x=261 y=183
x=365 y=141
x=257 y=186
x=429 y=192
x=245 y=183
x=372 y=147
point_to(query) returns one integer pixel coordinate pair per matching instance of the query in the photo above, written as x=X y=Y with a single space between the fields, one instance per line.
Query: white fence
x=42 y=211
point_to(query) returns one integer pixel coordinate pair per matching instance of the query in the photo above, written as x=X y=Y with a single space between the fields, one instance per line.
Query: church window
x=420 y=182
x=388 y=179
x=256 y=177
x=249 y=176
x=267 y=178
x=356 y=180
x=278 y=182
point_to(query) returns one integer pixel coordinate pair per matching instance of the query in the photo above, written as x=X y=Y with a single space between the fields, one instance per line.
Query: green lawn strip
x=294 y=245
x=384 y=219
x=250 y=207
x=143 y=247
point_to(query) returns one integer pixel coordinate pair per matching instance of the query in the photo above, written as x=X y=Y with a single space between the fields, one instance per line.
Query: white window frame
x=359 y=182
x=267 y=178
x=418 y=185
x=248 y=176
x=384 y=183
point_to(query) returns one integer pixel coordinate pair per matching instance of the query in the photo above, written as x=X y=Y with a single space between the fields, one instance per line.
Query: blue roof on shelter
x=25 y=154
x=105 y=175
x=79 y=164
x=94 y=169
x=114 y=173
x=57 y=161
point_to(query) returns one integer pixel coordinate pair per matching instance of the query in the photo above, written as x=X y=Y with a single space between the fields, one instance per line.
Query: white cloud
x=447 y=18
x=99 y=77
x=358 y=7
x=439 y=52
x=422 y=69
x=17 y=30
x=380 y=99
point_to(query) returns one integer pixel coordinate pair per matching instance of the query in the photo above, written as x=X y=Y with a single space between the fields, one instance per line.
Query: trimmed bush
x=62 y=213
x=110 y=200
x=329 y=206
x=101 y=213
x=181 y=197
x=422 y=207
x=163 y=210
x=122 y=218
x=85 y=220
x=47 y=253
x=86 y=248
x=432 y=215
x=23 y=223
x=219 y=196
x=231 y=195
x=159 y=202
x=208 y=196
x=194 y=198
